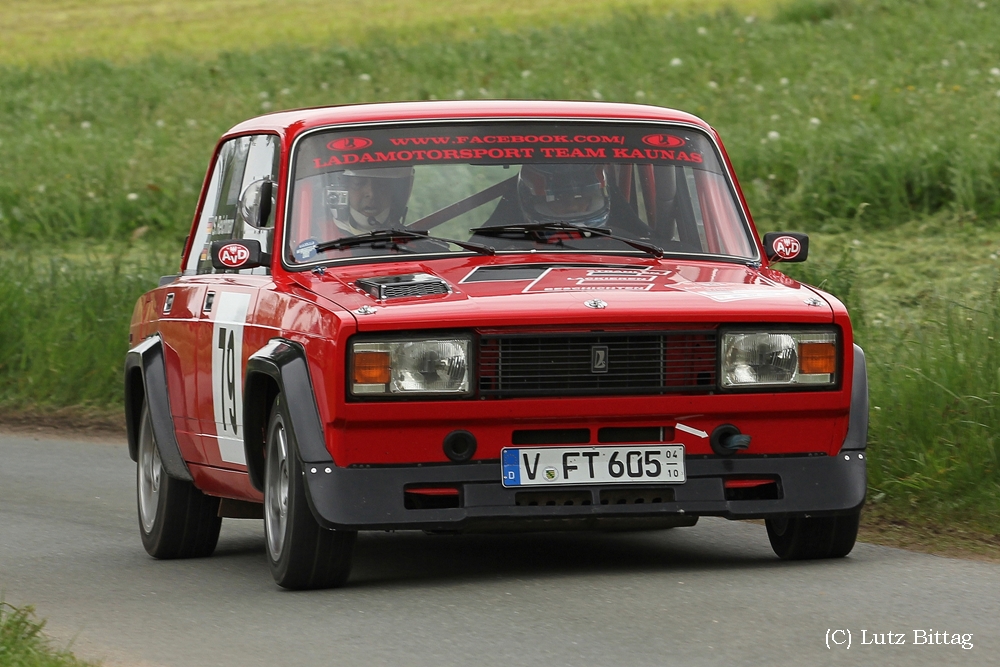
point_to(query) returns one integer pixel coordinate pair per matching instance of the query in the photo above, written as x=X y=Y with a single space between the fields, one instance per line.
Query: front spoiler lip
x=372 y=498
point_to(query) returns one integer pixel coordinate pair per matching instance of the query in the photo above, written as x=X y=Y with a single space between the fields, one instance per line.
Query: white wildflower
x=266 y=105
x=759 y=88
x=775 y=116
x=596 y=94
x=814 y=122
x=483 y=92
x=750 y=19
x=131 y=196
x=784 y=81
x=525 y=73
x=364 y=77
x=640 y=94
x=995 y=71
x=676 y=62
x=772 y=177
x=945 y=63
x=286 y=91
x=160 y=123
x=191 y=122
x=459 y=94
x=40 y=187
x=702 y=30
x=85 y=125
x=773 y=135
x=324 y=86
x=713 y=85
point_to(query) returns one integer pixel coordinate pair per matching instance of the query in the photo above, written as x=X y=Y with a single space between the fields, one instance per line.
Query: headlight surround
x=437 y=365
x=779 y=359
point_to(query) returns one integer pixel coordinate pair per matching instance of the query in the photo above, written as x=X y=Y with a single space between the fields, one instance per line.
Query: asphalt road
x=709 y=595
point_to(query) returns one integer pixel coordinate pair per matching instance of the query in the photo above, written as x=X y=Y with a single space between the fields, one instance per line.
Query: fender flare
x=146 y=378
x=857 y=429
x=280 y=366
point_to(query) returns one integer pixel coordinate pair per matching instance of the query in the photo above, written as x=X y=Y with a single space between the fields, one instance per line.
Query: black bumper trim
x=372 y=498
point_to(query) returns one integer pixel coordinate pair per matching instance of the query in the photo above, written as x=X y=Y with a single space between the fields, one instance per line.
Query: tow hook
x=726 y=440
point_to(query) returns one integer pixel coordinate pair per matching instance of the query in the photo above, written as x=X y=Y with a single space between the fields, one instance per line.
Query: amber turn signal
x=817 y=358
x=371 y=368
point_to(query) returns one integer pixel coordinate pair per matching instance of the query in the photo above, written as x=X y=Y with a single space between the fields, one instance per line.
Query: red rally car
x=471 y=316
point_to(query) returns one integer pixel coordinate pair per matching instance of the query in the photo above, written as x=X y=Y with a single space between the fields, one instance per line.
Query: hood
x=535 y=291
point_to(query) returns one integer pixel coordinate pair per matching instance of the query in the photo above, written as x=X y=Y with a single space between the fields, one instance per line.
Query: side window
x=242 y=162
x=261 y=164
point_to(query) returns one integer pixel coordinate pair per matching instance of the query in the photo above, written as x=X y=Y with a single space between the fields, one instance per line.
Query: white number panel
x=227 y=374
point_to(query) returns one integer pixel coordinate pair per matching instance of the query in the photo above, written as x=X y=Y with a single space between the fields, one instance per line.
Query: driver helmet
x=363 y=200
x=573 y=193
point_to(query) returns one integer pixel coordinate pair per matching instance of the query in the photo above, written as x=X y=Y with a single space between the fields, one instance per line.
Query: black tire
x=807 y=538
x=176 y=520
x=301 y=553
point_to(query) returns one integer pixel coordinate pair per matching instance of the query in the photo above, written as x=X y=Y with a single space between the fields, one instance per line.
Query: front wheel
x=806 y=538
x=176 y=520
x=302 y=554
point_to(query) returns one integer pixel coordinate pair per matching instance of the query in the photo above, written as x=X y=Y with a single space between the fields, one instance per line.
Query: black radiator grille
x=569 y=364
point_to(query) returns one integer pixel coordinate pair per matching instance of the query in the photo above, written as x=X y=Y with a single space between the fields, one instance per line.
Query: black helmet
x=574 y=193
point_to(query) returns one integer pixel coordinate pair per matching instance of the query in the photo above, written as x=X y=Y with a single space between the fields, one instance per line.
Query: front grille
x=571 y=364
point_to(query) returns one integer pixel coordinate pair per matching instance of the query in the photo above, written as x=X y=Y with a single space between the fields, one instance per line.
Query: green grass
x=22 y=643
x=44 y=31
x=67 y=343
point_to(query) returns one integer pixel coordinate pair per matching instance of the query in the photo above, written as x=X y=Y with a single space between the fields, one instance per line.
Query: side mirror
x=256 y=203
x=241 y=254
x=786 y=246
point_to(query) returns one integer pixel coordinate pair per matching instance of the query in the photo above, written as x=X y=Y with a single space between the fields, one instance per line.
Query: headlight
x=429 y=366
x=778 y=358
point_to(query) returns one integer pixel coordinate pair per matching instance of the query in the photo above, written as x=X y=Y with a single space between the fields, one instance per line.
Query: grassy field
x=46 y=31
x=873 y=125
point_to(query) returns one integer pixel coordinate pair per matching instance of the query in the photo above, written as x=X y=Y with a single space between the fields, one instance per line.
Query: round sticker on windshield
x=349 y=144
x=233 y=255
x=305 y=250
x=786 y=247
x=663 y=140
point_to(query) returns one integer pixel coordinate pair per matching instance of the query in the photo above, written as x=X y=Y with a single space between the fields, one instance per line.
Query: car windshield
x=513 y=188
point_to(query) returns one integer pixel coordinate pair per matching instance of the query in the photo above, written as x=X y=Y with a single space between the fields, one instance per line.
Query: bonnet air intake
x=408 y=285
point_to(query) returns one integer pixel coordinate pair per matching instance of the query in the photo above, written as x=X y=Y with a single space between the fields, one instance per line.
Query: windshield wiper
x=532 y=229
x=395 y=236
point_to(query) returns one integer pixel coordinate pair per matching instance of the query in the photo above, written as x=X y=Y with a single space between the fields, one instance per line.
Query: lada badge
x=595 y=303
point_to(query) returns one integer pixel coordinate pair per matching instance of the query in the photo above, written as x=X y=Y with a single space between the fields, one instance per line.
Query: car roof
x=293 y=122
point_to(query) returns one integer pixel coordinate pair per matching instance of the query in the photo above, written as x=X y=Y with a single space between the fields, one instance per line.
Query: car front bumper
x=375 y=498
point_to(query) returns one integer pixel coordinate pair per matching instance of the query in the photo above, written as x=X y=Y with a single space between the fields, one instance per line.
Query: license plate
x=620 y=464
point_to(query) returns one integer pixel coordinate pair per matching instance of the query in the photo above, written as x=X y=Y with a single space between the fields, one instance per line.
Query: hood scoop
x=408 y=285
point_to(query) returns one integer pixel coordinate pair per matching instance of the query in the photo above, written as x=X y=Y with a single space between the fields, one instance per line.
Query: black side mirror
x=786 y=246
x=238 y=254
